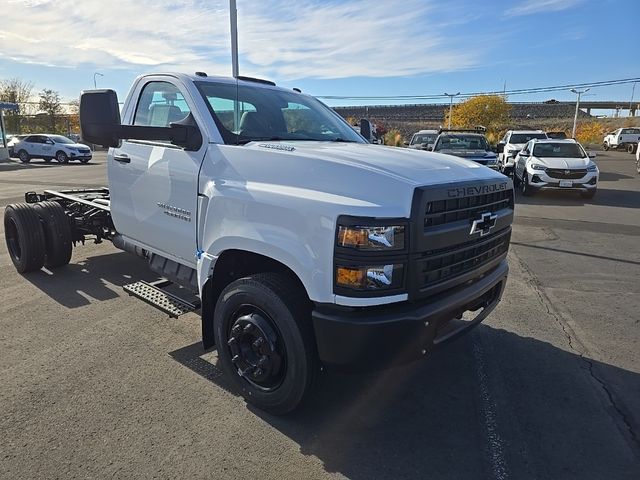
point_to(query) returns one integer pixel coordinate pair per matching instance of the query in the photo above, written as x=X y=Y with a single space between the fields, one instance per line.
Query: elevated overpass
x=519 y=110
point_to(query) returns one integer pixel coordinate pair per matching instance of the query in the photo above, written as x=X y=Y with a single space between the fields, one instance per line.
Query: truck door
x=153 y=184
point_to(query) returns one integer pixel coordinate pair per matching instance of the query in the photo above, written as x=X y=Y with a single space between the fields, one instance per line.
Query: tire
x=62 y=157
x=588 y=194
x=48 y=160
x=24 y=156
x=85 y=161
x=58 y=238
x=268 y=306
x=516 y=180
x=605 y=146
x=24 y=236
x=631 y=148
x=526 y=189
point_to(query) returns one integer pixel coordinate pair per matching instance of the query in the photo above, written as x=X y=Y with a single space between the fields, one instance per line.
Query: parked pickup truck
x=307 y=247
x=622 y=139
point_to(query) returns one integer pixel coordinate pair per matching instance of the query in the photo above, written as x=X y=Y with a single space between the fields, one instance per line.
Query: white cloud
x=278 y=38
x=530 y=7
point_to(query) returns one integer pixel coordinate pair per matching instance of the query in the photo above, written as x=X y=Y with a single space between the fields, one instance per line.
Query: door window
x=160 y=104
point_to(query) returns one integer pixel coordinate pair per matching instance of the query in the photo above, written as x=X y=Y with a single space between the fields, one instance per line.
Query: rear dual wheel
x=36 y=235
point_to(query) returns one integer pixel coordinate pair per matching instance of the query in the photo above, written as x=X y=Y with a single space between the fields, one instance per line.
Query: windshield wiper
x=343 y=140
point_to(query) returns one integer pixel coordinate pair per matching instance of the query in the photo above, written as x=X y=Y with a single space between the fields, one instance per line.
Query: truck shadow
x=535 y=406
x=94 y=278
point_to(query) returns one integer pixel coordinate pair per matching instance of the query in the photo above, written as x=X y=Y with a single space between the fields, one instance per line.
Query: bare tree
x=50 y=104
x=15 y=90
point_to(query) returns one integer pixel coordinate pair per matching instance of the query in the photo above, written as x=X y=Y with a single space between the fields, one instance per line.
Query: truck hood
x=408 y=165
x=552 y=162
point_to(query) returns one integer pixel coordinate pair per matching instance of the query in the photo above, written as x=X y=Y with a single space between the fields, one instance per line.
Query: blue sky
x=330 y=47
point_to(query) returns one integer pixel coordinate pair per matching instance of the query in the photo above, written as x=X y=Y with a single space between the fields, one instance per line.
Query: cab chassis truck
x=307 y=247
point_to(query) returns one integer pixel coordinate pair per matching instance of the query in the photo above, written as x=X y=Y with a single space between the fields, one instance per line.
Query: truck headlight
x=372 y=238
x=513 y=151
x=370 y=277
x=592 y=168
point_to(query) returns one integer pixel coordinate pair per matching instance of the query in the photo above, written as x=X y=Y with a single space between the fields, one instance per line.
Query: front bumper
x=373 y=338
x=539 y=179
x=80 y=156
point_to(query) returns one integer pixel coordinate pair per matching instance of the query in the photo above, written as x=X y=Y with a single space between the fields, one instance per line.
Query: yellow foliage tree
x=490 y=111
x=590 y=132
x=394 y=138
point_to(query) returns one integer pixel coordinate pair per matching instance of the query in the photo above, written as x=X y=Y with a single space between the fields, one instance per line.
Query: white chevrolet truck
x=305 y=246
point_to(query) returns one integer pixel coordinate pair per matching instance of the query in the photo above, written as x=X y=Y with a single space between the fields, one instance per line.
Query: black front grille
x=440 y=212
x=438 y=266
x=566 y=173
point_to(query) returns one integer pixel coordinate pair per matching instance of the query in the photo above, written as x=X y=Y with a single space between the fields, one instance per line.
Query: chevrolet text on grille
x=475 y=190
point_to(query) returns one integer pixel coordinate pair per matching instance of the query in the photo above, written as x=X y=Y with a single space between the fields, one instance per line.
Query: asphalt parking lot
x=94 y=383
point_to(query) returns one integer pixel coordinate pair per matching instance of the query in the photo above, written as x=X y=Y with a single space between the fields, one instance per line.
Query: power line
x=521 y=91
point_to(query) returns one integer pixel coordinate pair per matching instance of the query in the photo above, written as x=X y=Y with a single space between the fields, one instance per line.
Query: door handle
x=122 y=158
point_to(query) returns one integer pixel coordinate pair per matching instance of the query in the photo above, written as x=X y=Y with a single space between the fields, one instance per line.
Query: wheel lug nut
x=257 y=372
x=231 y=341
x=262 y=361
x=236 y=330
x=258 y=342
x=235 y=359
x=248 y=328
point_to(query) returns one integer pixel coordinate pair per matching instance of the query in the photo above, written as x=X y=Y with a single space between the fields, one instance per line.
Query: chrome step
x=154 y=295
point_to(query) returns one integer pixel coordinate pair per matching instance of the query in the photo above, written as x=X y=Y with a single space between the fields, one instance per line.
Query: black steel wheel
x=24 y=156
x=265 y=341
x=24 y=236
x=57 y=233
x=605 y=146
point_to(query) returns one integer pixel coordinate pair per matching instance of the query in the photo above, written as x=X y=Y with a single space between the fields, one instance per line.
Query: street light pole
x=451 y=105
x=633 y=90
x=94 y=79
x=575 y=117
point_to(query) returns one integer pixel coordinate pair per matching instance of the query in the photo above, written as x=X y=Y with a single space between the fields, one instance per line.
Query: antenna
x=233 y=17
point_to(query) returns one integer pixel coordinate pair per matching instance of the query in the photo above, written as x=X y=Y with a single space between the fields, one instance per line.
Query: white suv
x=512 y=142
x=49 y=147
x=557 y=164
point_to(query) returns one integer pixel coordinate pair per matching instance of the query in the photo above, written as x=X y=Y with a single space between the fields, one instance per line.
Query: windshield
x=270 y=114
x=461 y=142
x=525 y=137
x=423 y=138
x=60 y=139
x=564 y=150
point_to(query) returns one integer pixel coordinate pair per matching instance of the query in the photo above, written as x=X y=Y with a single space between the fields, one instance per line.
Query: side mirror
x=100 y=118
x=591 y=154
x=365 y=129
x=406 y=144
x=523 y=153
x=500 y=147
x=49 y=142
x=430 y=148
x=100 y=124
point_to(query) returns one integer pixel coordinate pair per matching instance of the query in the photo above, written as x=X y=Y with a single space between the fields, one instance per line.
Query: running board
x=154 y=295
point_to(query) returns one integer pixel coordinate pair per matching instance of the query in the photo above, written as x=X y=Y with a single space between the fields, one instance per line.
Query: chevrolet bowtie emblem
x=567 y=172
x=484 y=224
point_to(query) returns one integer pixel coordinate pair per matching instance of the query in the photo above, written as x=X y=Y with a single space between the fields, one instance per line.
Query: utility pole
x=451 y=105
x=633 y=90
x=94 y=79
x=233 y=16
x=575 y=117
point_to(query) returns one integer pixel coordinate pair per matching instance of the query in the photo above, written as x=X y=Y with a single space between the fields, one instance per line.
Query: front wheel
x=265 y=341
x=605 y=146
x=526 y=189
x=631 y=148
x=62 y=157
x=24 y=156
